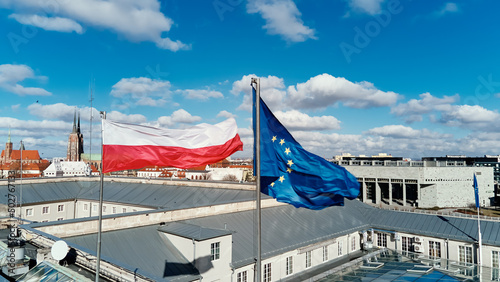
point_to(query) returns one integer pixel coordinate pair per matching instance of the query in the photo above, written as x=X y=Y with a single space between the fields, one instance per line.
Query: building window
x=353 y=243
x=103 y=209
x=382 y=240
x=242 y=276
x=308 y=259
x=465 y=254
x=114 y=209
x=215 y=251
x=85 y=207
x=267 y=272
x=407 y=243
x=495 y=265
x=60 y=208
x=60 y=218
x=434 y=249
x=289 y=265
x=94 y=207
x=340 y=249
x=325 y=253
x=124 y=210
x=29 y=212
x=45 y=210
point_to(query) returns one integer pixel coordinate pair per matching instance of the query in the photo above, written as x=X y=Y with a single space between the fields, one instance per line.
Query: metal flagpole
x=21 y=184
x=97 y=268
x=258 y=263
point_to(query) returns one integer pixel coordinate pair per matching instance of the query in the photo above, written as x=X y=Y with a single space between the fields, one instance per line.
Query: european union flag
x=476 y=192
x=293 y=175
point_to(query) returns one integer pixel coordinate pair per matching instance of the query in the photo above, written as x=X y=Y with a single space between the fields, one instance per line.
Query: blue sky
x=407 y=78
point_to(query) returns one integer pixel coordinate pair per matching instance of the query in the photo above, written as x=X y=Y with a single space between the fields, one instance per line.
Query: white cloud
x=179 y=116
x=473 y=117
x=182 y=116
x=33 y=124
x=49 y=23
x=414 y=109
x=11 y=75
x=121 y=117
x=141 y=91
x=401 y=131
x=136 y=20
x=271 y=90
x=282 y=18
x=295 y=120
x=371 y=7
x=325 y=90
x=201 y=94
x=226 y=114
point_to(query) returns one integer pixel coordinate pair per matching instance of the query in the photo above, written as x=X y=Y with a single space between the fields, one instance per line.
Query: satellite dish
x=59 y=250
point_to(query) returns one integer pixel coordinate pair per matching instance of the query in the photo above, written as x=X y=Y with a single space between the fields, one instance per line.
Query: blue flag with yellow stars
x=293 y=175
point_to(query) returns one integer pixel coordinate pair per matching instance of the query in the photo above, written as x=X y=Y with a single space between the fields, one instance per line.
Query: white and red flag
x=131 y=146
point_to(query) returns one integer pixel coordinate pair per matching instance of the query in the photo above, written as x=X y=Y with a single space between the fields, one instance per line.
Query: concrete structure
x=204 y=231
x=421 y=184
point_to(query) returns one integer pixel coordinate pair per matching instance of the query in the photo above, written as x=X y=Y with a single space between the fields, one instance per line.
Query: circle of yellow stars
x=289 y=162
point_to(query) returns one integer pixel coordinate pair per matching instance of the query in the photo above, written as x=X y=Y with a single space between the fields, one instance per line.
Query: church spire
x=8 y=140
x=74 y=122
x=78 y=127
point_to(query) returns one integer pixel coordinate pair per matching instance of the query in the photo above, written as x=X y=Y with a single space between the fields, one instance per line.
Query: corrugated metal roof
x=191 y=231
x=439 y=226
x=285 y=228
x=142 y=248
x=150 y=195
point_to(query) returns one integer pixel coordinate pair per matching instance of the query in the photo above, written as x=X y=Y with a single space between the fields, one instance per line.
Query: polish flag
x=131 y=146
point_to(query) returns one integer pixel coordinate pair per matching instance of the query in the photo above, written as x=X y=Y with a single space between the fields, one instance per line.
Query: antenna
x=91 y=117
x=59 y=250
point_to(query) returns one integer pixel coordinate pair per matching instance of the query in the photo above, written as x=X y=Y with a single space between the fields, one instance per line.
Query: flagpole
x=97 y=268
x=258 y=263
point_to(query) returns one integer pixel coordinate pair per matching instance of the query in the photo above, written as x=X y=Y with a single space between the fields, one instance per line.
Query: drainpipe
x=232 y=272
x=194 y=253
x=74 y=208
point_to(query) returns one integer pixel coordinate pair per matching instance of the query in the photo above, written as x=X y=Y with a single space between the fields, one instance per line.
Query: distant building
x=59 y=168
x=75 y=142
x=424 y=184
x=379 y=157
x=10 y=160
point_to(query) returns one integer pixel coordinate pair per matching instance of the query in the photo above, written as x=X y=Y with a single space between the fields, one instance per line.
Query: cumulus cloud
x=325 y=90
x=200 y=94
x=179 y=116
x=11 y=75
x=135 y=20
x=473 y=117
x=271 y=90
x=142 y=91
x=226 y=114
x=282 y=18
x=295 y=120
x=401 y=131
x=121 y=117
x=413 y=110
x=49 y=23
x=371 y=7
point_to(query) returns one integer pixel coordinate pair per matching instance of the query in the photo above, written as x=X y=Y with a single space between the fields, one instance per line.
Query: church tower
x=8 y=150
x=75 y=142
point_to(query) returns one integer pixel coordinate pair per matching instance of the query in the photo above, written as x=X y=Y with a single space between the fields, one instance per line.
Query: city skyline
x=406 y=78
